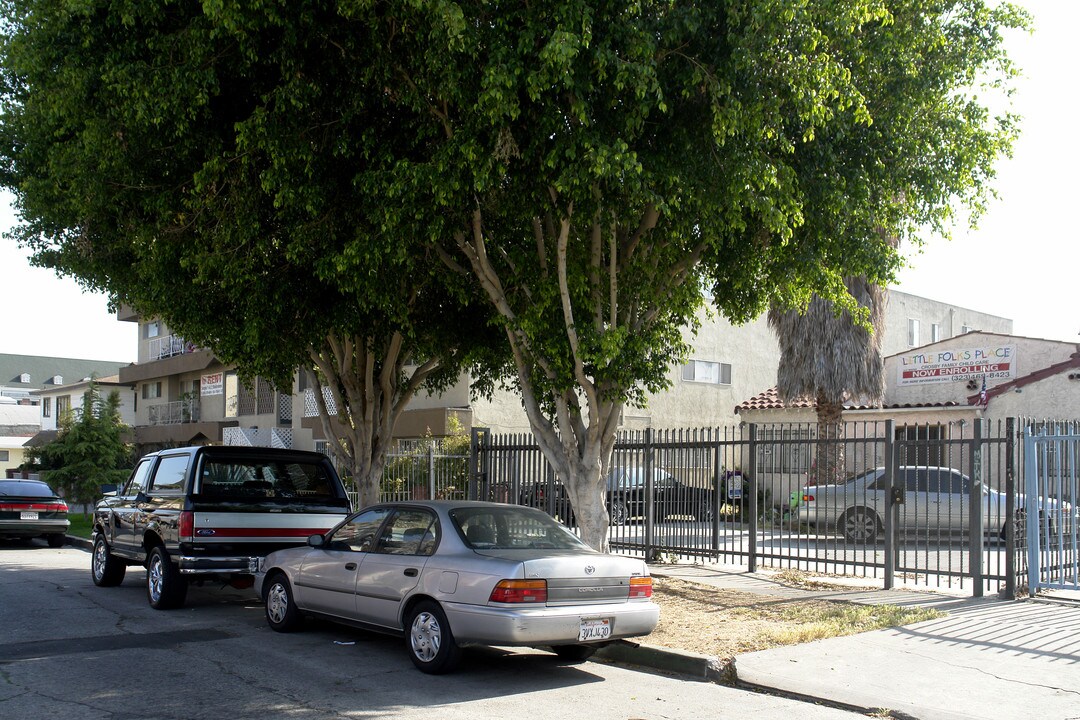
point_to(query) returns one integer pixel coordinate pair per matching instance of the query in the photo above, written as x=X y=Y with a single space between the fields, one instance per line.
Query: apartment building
x=183 y=394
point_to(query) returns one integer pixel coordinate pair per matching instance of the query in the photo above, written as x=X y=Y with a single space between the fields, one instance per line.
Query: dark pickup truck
x=211 y=512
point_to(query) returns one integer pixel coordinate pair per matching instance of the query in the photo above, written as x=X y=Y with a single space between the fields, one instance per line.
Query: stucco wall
x=1025 y=356
x=950 y=318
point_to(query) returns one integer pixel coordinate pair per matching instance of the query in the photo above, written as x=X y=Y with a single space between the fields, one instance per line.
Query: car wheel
x=574 y=653
x=618 y=514
x=281 y=611
x=56 y=540
x=166 y=588
x=429 y=639
x=105 y=568
x=860 y=525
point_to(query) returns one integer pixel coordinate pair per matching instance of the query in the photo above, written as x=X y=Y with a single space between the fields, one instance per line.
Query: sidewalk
x=987 y=658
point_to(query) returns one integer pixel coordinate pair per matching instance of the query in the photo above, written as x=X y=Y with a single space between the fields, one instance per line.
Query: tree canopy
x=209 y=165
x=588 y=168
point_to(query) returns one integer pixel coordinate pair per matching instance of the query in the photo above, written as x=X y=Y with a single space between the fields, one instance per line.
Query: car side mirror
x=316 y=541
x=141 y=497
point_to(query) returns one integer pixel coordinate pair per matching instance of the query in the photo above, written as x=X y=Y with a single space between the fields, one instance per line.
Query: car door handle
x=350 y=566
x=411 y=572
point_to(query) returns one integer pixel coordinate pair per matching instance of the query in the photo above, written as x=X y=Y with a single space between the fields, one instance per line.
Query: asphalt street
x=71 y=650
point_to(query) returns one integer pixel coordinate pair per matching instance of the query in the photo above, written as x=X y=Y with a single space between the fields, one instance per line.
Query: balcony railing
x=170 y=345
x=258 y=437
x=175 y=413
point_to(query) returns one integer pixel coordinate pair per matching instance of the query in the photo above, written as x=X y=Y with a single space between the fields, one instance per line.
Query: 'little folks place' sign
x=995 y=362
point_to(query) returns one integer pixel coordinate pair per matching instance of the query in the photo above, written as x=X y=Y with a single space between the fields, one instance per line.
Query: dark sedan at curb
x=449 y=574
x=29 y=509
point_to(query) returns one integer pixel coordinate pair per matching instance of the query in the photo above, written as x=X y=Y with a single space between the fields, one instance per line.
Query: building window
x=151 y=390
x=63 y=405
x=153 y=328
x=703 y=371
x=935 y=332
x=912 y=332
x=24 y=378
x=4 y=456
x=964 y=329
x=46 y=407
x=57 y=379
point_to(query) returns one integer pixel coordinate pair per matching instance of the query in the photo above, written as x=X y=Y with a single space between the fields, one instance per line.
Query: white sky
x=1022 y=263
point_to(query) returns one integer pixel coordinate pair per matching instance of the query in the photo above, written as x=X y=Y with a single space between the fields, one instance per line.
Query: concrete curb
x=680 y=662
x=80 y=542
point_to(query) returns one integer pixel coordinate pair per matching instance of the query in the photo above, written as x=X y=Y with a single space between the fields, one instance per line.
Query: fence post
x=479 y=439
x=431 y=470
x=1010 y=508
x=892 y=509
x=975 y=512
x=650 y=485
x=752 y=502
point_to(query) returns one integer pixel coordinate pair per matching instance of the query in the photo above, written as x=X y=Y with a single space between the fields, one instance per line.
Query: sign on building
x=212 y=384
x=995 y=362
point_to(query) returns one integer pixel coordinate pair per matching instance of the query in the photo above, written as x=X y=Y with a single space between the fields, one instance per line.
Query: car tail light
x=640 y=587
x=520 y=591
x=187 y=525
x=807 y=497
x=59 y=506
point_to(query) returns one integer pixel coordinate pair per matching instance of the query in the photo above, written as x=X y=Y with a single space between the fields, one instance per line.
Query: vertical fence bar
x=1010 y=508
x=650 y=508
x=752 y=502
x=975 y=512
x=892 y=481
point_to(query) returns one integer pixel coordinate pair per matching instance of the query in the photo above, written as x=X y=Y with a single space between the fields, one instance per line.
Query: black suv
x=202 y=512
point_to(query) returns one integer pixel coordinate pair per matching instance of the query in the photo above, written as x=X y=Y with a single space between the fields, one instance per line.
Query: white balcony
x=174 y=413
x=169 y=346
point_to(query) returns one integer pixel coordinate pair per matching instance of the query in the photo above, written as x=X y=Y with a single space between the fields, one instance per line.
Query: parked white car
x=936 y=500
x=447 y=574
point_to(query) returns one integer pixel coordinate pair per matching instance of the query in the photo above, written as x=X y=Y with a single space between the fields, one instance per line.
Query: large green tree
x=207 y=163
x=89 y=450
x=589 y=167
x=603 y=163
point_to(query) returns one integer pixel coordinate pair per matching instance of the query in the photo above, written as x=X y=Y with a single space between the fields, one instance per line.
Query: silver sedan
x=450 y=574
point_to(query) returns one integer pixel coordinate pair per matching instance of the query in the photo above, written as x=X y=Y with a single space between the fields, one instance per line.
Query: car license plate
x=594 y=629
x=24 y=515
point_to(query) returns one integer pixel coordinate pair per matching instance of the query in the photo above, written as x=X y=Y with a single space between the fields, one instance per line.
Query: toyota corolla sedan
x=449 y=574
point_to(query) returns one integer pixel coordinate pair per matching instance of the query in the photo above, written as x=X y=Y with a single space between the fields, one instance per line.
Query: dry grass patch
x=724 y=623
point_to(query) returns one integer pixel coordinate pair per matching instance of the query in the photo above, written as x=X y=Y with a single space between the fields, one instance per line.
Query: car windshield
x=25 y=489
x=512 y=528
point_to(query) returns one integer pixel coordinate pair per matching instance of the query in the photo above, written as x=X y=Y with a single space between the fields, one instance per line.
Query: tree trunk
x=830 y=447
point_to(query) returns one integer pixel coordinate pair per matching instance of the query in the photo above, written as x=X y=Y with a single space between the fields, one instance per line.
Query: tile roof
x=770 y=400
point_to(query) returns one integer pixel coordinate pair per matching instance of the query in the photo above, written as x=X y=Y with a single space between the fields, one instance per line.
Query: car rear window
x=25 y=489
x=512 y=528
x=260 y=478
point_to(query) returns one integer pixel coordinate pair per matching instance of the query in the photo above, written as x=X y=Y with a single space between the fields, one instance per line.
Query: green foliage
x=89 y=450
x=411 y=467
x=262 y=174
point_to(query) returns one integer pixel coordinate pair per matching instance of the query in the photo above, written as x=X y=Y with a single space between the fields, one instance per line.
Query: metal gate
x=1051 y=455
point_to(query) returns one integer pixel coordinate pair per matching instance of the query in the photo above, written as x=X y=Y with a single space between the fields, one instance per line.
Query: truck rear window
x=261 y=479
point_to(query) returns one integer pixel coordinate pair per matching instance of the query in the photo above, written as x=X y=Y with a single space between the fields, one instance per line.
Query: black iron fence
x=932 y=504
x=938 y=505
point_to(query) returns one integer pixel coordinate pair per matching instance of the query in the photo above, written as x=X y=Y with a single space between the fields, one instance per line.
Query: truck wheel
x=165 y=587
x=106 y=569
